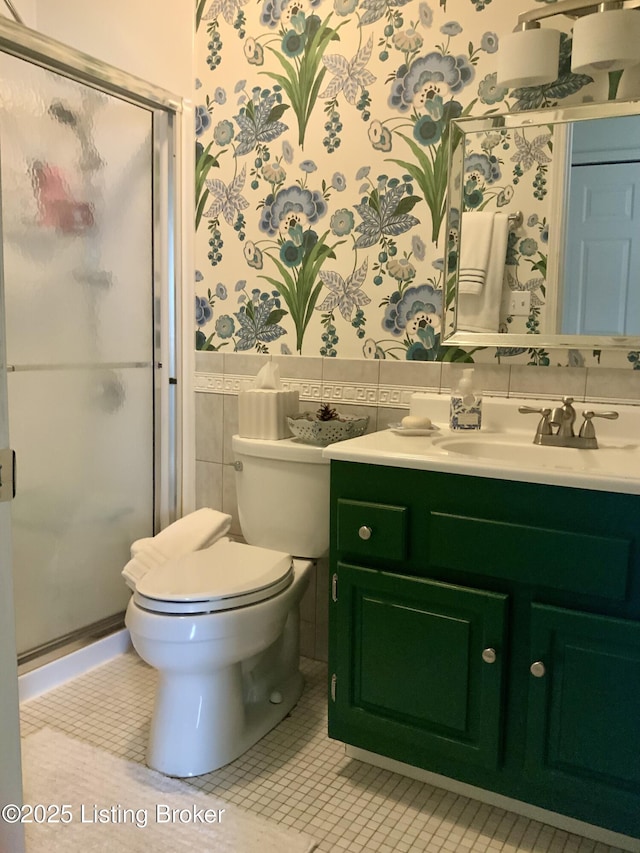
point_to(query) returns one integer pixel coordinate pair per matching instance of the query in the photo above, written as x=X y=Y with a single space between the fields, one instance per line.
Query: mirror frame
x=513 y=120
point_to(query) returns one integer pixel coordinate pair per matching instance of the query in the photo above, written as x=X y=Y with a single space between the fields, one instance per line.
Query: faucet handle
x=544 y=427
x=610 y=416
x=587 y=429
x=529 y=410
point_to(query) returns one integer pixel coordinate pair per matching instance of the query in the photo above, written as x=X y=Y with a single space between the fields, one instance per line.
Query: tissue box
x=263 y=412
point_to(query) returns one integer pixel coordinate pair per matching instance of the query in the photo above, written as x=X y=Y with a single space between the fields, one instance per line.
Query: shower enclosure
x=89 y=165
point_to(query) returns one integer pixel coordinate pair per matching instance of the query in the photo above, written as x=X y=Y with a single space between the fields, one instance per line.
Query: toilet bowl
x=221 y=624
x=227 y=665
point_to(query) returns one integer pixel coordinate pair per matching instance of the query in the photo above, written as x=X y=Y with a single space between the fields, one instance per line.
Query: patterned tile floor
x=298 y=777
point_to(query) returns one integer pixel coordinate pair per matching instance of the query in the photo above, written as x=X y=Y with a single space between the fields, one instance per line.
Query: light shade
x=606 y=41
x=528 y=58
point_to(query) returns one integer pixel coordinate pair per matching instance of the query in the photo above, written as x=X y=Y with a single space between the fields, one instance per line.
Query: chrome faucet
x=555 y=428
x=563 y=418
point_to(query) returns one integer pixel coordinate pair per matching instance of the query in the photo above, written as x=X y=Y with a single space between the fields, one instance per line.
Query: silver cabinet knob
x=489 y=655
x=537 y=669
x=365 y=532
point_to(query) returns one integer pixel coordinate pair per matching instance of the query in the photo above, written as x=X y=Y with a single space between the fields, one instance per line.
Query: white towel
x=475 y=250
x=197 y=530
x=480 y=312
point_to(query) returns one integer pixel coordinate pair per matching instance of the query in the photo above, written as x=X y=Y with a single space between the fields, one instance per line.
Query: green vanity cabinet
x=489 y=631
x=583 y=712
x=412 y=651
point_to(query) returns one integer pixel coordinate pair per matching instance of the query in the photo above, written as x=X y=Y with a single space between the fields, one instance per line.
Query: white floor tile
x=299 y=777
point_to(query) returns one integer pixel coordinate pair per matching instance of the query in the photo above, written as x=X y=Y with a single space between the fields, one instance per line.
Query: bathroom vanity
x=485 y=618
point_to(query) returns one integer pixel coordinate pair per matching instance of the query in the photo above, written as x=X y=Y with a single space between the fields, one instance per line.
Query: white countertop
x=503 y=449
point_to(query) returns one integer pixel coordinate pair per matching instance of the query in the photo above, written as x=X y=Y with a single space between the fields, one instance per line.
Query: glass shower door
x=11 y=837
x=77 y=204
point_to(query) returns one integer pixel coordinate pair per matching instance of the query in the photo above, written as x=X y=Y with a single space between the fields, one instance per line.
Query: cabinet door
x=583 y=728
x=411 y=679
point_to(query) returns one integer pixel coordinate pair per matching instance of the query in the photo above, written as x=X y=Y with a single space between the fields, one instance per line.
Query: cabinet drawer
x=565 y=560
x=373 y=530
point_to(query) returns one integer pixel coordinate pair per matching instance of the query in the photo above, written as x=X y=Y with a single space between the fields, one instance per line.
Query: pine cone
x=326 y=413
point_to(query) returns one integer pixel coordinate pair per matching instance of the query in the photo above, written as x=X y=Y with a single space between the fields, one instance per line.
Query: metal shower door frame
x=11 y=835
x=167 y=112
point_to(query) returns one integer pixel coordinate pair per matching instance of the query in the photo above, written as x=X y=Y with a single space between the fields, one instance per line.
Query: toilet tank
x=283 y=495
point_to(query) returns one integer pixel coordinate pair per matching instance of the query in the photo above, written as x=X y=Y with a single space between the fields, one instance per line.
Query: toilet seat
x=224 y=576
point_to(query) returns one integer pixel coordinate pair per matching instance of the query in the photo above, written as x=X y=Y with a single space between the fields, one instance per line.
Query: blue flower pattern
x=390 y=77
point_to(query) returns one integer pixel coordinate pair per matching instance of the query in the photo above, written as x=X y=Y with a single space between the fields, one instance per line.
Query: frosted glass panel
x=78 y=260
x=77 y=186
x=85 y=493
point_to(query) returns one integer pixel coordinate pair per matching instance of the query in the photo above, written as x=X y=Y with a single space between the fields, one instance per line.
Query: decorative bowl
x=306 y=428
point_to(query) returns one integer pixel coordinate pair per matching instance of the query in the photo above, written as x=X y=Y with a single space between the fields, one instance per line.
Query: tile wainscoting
x=380 y=389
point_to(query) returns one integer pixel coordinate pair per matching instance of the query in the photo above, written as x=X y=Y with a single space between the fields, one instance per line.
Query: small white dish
x=400 y=430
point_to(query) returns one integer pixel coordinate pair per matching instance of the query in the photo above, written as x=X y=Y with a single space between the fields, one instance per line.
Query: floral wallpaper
x=322 y=133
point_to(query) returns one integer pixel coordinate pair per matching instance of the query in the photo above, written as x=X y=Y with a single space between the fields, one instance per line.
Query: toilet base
x=224 y=679
x=225 y=731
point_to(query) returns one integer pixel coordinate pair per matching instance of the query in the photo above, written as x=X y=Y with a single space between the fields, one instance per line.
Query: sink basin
x=504 y=449
x=509 y=449
x=520 y=451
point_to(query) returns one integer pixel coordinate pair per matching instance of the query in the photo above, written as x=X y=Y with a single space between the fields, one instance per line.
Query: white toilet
x=221 y=625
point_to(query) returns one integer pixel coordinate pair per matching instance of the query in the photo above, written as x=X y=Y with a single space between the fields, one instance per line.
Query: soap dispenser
x=466 y=404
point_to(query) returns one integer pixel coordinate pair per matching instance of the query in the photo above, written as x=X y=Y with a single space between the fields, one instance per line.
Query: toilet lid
x=225 y=575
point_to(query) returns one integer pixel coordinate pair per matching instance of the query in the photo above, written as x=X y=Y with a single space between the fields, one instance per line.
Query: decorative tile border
x=351 y=393
x=395 y=396
x=620 y=391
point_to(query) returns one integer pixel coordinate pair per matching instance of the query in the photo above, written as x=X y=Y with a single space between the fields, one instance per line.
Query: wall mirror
x=543 y=227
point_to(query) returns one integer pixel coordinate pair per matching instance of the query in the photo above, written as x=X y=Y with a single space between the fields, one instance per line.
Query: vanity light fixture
x=606 y=37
